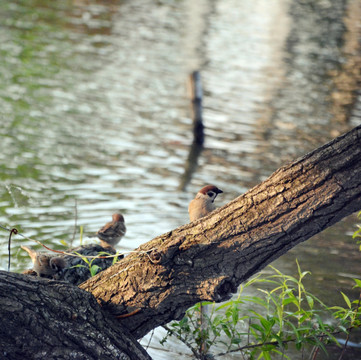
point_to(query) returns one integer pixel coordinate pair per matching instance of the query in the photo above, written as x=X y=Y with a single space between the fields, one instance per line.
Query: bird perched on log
x=46 y=265
x=111 y=233
x=203 y=203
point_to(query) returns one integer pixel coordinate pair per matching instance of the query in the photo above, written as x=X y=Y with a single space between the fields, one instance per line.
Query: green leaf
x=82 y=257
x=236 y=341
x=78 y=265
x=357 y=233
x=226 y=304
x=266 y=355
x=267 y=324
x=283 y=356
x=306 y=316
x=115 y=259
x=257 y=327
x=347 y=300
x=256 y=300
x=94 y=269
x=235 y=314
x=358 y=283
x=310 y=301
x=226 y=330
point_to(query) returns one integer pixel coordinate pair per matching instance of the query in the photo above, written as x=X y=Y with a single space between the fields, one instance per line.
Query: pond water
x=95 y=115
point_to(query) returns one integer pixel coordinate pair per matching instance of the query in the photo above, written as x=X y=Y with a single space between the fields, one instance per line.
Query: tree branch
x=209 y=258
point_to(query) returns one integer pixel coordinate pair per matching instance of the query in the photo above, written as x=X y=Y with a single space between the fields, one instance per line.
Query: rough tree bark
x=204 y=260
x=47 y=319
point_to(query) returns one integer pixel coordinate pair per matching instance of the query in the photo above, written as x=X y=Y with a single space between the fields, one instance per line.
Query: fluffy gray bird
x=70 y=268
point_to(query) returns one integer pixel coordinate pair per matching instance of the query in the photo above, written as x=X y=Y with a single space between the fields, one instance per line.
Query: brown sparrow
x=45 y=265
x=111 y=233
x=203 y=203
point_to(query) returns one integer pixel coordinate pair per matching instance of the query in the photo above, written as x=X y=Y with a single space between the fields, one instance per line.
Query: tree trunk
x=47 y=319
x=204 y=260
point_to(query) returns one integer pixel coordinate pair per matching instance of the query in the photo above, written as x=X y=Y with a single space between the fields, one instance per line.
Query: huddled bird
x=74 y=269
x=45 y=264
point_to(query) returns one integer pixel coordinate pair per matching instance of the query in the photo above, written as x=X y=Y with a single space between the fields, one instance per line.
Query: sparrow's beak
x=219 y=191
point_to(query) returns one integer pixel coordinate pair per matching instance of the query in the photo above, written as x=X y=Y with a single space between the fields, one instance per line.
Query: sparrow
x=45 y=265
x=203 y=203
x=111 y=233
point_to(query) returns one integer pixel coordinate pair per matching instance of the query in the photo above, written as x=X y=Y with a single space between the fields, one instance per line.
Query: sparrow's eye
x=210 y=193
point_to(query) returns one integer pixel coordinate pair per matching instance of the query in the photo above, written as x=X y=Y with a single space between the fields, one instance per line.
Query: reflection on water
x=94 y=109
